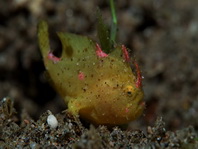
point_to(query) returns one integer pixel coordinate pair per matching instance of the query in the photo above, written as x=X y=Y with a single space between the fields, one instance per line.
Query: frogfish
x=100 y=87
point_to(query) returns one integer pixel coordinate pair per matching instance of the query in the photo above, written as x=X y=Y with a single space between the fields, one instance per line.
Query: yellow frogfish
x=99 y=87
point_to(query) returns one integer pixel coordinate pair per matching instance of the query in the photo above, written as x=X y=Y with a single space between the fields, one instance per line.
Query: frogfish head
x=116 y=99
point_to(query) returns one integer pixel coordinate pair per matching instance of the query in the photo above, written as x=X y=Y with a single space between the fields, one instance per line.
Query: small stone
x=52 y=121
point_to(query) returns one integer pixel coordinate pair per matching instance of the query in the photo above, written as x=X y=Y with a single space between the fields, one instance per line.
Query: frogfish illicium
x=99 y=87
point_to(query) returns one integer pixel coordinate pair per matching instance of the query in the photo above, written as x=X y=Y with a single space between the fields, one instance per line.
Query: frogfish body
x=99 y=87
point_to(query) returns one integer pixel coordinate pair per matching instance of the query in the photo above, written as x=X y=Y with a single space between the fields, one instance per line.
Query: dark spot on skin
x=97 y=96
x=115 y=87
x=66 y=68
x=85 y=50
x=92 y=75
x=69 y=84
x=71 y=59
x=69 y=51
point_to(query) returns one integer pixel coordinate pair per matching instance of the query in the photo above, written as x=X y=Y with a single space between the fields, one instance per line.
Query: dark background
x=163 y=36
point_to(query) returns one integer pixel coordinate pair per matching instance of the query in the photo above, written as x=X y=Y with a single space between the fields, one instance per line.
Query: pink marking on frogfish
x=139 y=76
x=127 y=110
x=99 y=52
x=81 y=76
x=52 y=57
x=126 y=54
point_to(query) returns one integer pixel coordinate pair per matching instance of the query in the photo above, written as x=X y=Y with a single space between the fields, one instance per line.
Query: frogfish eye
x=129 y=90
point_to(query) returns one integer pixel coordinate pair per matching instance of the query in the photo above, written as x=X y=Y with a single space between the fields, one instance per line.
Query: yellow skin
x=101 y=90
